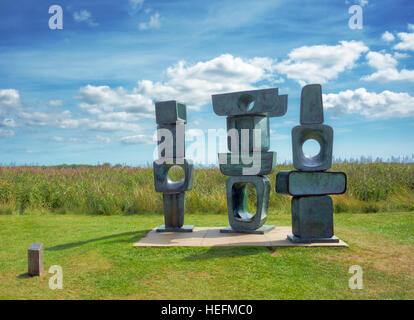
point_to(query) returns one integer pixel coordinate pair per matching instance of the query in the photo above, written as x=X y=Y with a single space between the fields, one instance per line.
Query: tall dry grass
x=106 y=190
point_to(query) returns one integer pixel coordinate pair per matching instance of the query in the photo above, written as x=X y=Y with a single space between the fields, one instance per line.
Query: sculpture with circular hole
x=171 y=118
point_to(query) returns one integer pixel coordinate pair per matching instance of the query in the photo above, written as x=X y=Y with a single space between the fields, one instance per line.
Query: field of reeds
x=118 y=190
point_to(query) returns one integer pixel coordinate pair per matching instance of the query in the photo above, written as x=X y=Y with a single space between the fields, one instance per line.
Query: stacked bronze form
x=310 y=186
x=171 y=118
x=249 y=159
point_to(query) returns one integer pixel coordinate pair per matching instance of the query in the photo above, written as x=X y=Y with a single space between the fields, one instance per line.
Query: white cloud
x=385 y=105
x=114 y=126
x=103 y=99
x=84 y=16
x=381 y=61
x=103 y=139
x=6 y=132
x=10 y=123
x=386 y=66
x=320 y=63
x=407 y=40
x=398 y=55
x=362 y=3
x=388 y=36
x=9 y=101
x=55 y=103
x=137 y=139
x=153 y=23
x=194 y=84
x=136 y=4
x=58 y=139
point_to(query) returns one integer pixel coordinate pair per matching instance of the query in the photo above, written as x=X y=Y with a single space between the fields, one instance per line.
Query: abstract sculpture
x=171 y=118
x=249 y=160
x=312 y=208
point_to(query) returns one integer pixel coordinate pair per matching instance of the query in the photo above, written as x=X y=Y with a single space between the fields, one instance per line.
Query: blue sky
x=85 y=94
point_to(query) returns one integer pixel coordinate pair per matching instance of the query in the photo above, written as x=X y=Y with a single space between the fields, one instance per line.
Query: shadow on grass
x=24 y=275
x=137 y=235
x=226 y=252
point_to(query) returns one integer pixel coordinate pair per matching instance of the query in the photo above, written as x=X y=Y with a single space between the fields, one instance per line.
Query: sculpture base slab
x=296 y=239
x=186 y=228
x=261 y=230
x=212 y=237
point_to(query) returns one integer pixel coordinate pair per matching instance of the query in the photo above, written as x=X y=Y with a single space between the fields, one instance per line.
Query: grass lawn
x=99 y=262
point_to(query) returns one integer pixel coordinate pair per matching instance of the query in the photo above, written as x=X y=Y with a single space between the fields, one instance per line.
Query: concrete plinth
x=212 y=237
x=186 y=228
x=261 y=230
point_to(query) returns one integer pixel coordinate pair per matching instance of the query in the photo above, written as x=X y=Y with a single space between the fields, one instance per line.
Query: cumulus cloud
x=58 y=139
x=103 y=139
x=6 y=133
x=55 y=103
x=386 y=66
x=194 y=84
x=388 y=36
x=320 y=63
x=136 y=4
x=153 y=23
x=384 y=105
x=7 y=122
x=84 y=16
x=362 y=3
x=103 y=99
x=9 y=101
x=407 y=40
x=137 y=139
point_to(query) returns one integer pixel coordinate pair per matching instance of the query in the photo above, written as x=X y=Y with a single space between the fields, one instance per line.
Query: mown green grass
x=106 y=190
x=99 y=262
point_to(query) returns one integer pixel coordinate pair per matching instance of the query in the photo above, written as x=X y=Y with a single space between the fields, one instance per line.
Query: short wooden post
x=35 y=259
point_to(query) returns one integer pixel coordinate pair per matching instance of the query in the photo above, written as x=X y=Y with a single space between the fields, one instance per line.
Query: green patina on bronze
x=300 y=183
x=312 y=219
x=248 y=115
x=323 y=135
x=171 y=117
x=257 y=142
x=266 y=161
x=170 y=112
x=311 y=105
x=162 y=182
x=312 y=209
x=239 y=217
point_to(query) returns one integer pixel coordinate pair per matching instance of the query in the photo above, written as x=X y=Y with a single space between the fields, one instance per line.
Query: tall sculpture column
x=310 y=186
x=249 y=160
x=171 y=118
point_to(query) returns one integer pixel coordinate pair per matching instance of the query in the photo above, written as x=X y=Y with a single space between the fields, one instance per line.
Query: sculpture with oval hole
x=171 y=118
x=311 y=185
x=249 y=160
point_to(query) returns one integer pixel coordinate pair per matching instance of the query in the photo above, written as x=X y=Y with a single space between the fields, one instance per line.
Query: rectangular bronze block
x=170 y=112
x=252 y=142
x=312 y=217
x=35 y=259
x=311 y=107
x=264 y=162
x=301 y=183
x=264 y=101
x=171 y=140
